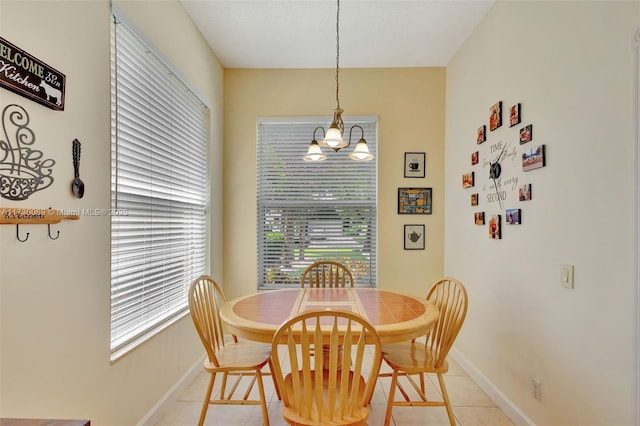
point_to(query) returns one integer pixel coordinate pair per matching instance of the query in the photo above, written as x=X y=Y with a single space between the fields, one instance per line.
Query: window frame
x=172 y=196
x=366 y=272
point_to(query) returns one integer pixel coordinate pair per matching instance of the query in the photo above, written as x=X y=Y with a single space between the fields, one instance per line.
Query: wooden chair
x=416 y=358
x=326 y=273
x=231 y=358
x=334 y=389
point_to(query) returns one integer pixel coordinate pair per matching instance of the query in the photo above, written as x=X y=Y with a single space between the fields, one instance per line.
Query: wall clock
x=498 y=178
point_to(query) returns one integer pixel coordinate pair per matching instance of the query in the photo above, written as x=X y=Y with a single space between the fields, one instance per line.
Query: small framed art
x=478 y=218
x=467 y=180
x=482 y=134
x=414 y=200
x=414 y=164
x=495 y=116
x=474 y=199
x=414 y=237
x=513 y=216
x=533 y=158
x=514 y=115
x=475 y=158
x=526 y=134
x=494 y=227
x=524 y=192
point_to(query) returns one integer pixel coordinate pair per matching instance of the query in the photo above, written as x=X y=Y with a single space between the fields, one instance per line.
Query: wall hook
x=18 y=234
x=57 y=235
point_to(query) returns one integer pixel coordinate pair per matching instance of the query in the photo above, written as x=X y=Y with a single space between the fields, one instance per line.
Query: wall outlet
x=536 y=388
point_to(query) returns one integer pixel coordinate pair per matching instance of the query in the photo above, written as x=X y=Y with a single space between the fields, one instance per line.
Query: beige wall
x=571 y=66
x=410 y=107
x=54 y=295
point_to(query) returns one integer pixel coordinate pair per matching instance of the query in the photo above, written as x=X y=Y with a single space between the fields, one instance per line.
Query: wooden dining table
x=396 y=316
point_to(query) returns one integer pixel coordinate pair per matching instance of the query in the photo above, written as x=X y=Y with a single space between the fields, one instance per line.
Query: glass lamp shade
x=314 y=153
x=361 y=152
x=333 y=139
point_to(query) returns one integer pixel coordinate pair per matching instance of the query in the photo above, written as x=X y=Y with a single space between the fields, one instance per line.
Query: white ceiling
x=302 y=33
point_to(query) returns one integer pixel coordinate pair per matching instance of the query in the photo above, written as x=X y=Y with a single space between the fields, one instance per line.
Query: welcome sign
x=30 y=77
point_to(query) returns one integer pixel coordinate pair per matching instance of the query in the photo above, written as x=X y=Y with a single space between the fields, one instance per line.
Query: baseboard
x=509 y=408
x=156 y=412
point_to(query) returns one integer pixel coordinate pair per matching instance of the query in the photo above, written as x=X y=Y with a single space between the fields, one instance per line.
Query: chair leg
x=207 y=398
x=392 y=393
x=445 y=395
x=275 y=382
x=263 y=399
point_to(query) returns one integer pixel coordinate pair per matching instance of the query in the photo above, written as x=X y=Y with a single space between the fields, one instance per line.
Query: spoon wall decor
x=77 y=186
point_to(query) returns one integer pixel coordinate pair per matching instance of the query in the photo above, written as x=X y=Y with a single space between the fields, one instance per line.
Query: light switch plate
x=566 y=275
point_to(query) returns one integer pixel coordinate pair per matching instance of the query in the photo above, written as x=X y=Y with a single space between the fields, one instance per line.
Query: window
x=310 y=211
x=159 y=192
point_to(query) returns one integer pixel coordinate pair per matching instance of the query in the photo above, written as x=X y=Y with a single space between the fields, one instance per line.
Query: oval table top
x=396 y=316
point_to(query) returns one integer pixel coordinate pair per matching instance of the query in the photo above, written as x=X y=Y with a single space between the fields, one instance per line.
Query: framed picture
x=414 y=164
x=475 y=158
x=513 y=216
x=414 y=200
x=533 y=158
x=478 y=218
x=526 y=134
x=494 y=227
x=482 y=134
x=524 y=192
x=414 y=237
x=514 y=115
x=495 y=116
x=474 y=199
x=467 y=180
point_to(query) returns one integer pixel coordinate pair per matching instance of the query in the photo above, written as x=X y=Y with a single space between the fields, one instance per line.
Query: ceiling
x=302 y=33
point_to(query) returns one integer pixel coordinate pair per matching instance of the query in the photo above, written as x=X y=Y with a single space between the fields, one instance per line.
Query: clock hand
x=501 y=152
x=495 y=184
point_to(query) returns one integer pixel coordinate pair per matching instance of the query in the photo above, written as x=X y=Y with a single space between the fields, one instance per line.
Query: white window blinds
x=309 y=211
x=159 y=192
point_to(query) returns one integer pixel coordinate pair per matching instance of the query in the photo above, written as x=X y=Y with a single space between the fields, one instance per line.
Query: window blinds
x=159 y=192
x=310 y=211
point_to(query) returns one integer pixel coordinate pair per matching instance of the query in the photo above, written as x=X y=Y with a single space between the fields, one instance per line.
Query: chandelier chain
x=338 y=54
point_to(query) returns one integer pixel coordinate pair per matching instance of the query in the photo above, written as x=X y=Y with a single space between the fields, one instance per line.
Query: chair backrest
x=450 y=297
x=318 y=389
x=205 y=300
x=326 y=273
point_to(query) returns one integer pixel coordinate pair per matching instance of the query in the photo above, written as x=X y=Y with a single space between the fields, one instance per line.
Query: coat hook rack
x=27 y=216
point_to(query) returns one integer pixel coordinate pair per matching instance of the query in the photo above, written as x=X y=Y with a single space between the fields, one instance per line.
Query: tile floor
x=471 y=405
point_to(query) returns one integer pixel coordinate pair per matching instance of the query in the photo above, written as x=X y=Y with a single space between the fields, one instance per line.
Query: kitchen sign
x=30 y=77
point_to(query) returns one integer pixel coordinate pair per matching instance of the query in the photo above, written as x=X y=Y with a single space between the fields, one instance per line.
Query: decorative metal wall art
x=23 y=170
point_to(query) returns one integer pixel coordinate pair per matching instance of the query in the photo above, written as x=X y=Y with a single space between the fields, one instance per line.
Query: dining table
x=396 y=316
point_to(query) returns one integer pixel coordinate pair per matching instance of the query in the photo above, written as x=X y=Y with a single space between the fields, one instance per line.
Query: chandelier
x=332 y=138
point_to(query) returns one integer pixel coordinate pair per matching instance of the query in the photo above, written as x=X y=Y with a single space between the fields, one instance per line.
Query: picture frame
x=478 y=218
x=495 y=116
x=474 y=199
x=495 y=233
x=414 y=200
x=514 y=115
x=524 y=192
x=526 y=134
x=468 y=180
x=512 y=216
x=475 y=158
x=482 y=134
x=533 y=158
x=414 y=237
x=414 y=164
